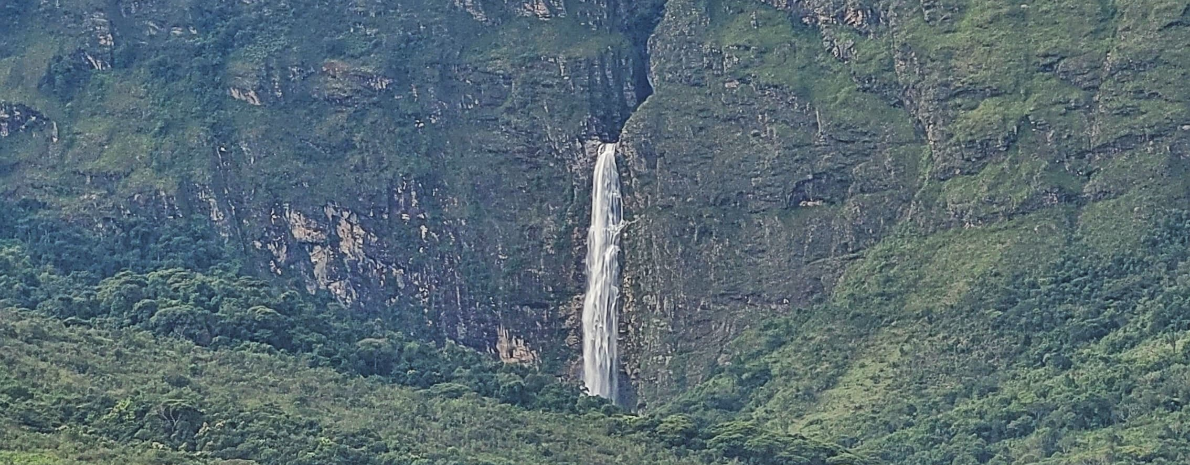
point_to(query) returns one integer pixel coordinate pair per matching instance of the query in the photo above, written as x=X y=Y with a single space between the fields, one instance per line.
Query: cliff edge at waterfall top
x=845 y=232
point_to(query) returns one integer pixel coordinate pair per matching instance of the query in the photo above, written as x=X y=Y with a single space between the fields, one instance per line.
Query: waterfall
x=600 y=360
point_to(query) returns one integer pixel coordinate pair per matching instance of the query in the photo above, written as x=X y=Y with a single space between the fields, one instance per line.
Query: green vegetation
x=743 y=441
x=214 y=306
x=110 y=396
x=943 y=232
x=76 y=395
x=1046 y=356
x=977 y=245
x=163 y=363
x=776 y=51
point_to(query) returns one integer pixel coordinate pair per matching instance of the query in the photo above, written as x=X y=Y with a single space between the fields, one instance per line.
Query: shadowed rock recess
x=930 y=231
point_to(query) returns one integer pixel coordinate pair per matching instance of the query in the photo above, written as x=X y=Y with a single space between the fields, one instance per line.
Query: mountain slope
x=937 y=231
x=785 y=142
x=410 y=156
x=93 y=387
x=131 y=358
x=965 y=217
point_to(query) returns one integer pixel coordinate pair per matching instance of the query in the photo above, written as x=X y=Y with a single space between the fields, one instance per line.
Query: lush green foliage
x=981 y=258
x=1075 y=357
x=744 y=441
x=213 y=306
x=991 y=180
x=128 y=243
x=71 y=394
x=177 y=365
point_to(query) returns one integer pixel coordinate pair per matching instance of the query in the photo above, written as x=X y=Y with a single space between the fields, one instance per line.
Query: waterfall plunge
x=600 y=359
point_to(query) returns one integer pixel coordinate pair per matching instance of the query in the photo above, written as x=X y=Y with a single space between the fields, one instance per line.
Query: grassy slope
x=78 y=369
x=148 y=124
x=1010 y=317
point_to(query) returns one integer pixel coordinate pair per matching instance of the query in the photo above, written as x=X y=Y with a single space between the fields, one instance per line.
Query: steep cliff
x=784 y=141
x=821 y=195
x=946 y=203
x=758 y=169
x=430 y=160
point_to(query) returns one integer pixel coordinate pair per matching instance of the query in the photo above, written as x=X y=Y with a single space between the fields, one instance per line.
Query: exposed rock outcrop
x=17 y=118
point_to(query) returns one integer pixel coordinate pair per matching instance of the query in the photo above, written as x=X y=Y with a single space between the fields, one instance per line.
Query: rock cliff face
x=433 y=158
x=16 y=118
x=483 y=239
x=749 y=194
x=782 y=143
x=431 y=161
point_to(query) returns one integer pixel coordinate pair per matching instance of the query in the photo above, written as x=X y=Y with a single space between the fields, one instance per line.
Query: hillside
x=160 y=363
x=76 y=395
x=941 y=232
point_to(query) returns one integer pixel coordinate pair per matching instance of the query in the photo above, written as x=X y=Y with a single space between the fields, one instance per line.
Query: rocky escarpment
x=432 y=159
x=17 y=118
x=785 y=139
x=486 y=253
x=864 y=220
x=748 y=196
x=430 y=162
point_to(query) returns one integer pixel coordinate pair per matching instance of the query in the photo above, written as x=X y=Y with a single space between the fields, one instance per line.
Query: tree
x=375 y=356
x=677 y=430
x=185 y=321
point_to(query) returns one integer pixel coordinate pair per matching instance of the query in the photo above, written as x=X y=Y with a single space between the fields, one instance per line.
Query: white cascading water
x=603 y=279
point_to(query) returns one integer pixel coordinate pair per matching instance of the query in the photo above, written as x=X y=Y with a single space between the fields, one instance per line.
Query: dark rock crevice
x=645 y=16
x=636 y=21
